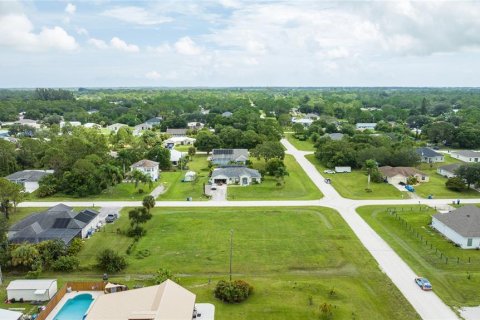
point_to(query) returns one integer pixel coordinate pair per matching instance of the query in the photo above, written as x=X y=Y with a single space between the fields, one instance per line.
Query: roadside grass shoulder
x=306 y=145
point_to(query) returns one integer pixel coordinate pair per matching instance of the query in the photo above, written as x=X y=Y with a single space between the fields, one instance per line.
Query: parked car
x=423 y=283
x=328 y=171
x=328 y=181
x=111 y=217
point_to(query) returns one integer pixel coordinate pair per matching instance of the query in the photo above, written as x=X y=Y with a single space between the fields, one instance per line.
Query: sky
x=231 y=43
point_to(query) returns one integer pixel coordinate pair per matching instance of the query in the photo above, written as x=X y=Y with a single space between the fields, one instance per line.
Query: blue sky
x=102 y=43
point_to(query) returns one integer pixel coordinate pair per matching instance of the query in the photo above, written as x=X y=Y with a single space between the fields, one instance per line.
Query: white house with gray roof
x=448 y=171
x=236 y=175
x=462 y=226
x=429 y=155
x=29 y=178
x=466 y=155
x=229 y=156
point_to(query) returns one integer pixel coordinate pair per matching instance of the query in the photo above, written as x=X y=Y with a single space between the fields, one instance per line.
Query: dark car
x=111 y=217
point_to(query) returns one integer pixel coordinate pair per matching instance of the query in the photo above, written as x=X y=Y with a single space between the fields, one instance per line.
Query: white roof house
x=91 y=125
x=10 y=315
x=466 y=155
x=114 y=127
x=176 y=155
x=366 y=126
x=32 y=290
x=195 y=125
x=179 y=141
x=303 y=121
x=72 y=123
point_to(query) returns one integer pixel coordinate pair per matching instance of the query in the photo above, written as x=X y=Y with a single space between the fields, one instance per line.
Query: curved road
x=427 y=304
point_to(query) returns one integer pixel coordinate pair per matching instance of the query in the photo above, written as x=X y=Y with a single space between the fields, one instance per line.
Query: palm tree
x=148 y=202
x=370 y=165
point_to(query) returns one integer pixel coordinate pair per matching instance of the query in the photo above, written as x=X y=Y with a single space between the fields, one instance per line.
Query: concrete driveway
x=220 y=194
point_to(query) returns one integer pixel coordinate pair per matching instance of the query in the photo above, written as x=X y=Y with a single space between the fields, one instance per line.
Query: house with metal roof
x=462 y=226
x=429 y=155
x=29 y=178
x=466 y=155
x=235 y=175
x=335 y=136
x=448 y=171
x=222 y=157
x=148 y=167
x=58 y=222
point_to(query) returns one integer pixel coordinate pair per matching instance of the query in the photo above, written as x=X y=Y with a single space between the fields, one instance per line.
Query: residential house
x=90 y=125
x=365 y=126
x=335 y=136
x=195 y=125
x=174 y=141
x=137 y=130
x=227 y=114
x=155 y=121
x=116 y=126
x=303 y=121
x=429 y=155
x=29 y=178
x=312 y=116
x=397 y=175
x=466 y=155
x=462 y=226
x=177 y=132
x=10 y=315
x=147 y=167
x=71 y=123
x=32 y=290
x=166 y=301
x=175 y=156
x=229 y=156
x=58 y=222
x=190 y=176
x=29 y=122
x=448 y=171
x=236 y=175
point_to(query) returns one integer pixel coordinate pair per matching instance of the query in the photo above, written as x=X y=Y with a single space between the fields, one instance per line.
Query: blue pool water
x=75 y=308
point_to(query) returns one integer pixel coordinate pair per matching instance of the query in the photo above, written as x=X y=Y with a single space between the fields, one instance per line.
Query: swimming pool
x=75 y=308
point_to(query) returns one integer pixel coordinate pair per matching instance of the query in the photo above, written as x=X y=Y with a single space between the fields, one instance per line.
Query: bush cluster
x=232 y=291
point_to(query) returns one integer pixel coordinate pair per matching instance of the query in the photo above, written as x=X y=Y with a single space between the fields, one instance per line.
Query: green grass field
x=292 y=256
x=352 y=185
x=300 y=145
x=455 y=280
x=297 y=186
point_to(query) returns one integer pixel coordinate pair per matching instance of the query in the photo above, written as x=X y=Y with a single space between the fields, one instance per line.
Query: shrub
x=141 y=191
x=66 y=264
x=232 y=291
x=75 y=247
x=455 y=184
x=136 y=232
x=412 y=180
x=164 y=274
x=110 y=261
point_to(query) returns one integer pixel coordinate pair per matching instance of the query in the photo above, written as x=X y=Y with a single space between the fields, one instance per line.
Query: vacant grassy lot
x=436 y=185
x=352 y=185
x=455 y=280
x=306 y=145
x=297 y=186
x=293 y=257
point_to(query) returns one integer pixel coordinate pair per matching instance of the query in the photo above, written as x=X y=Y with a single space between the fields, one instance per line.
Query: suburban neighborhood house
x=195 y=125
x=303 y=121
x=147 y=167
x=177 y=132
x=32 y=290
x=236 y=175
x=462 y=226
x=334 y=136
x=58 y=222
x=182 y=141
x=29 y=178
x=365 y=126
x=429 y=155
x=167 y=301
x=155 y=121
x=10 y=315
x=116 y=126
x=448 y=171
x=175 y=156
x=466 y=155
x=397 y=175
x=229 y=156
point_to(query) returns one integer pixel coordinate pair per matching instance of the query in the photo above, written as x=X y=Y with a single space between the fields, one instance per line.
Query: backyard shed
x=32 y=290
x=10 y=315
x=190 y=176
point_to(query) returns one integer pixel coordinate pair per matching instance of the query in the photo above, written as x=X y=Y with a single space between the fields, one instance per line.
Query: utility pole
x=231 y=252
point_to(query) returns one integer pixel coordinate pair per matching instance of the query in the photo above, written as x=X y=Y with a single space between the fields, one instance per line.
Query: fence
x=75 y=286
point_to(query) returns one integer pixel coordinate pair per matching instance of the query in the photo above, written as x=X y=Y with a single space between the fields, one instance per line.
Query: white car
x=328 y=171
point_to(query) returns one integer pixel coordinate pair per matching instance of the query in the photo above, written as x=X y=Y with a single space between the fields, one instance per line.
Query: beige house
x=398 y=175
x=167 y=301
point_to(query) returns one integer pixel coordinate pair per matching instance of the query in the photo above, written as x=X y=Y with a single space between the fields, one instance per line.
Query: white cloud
x=70 y=8
x=82 y=31
x=16 y=31
x=163 y=48
x=187 y=47
x=121 y=45
x=97 y=43
x=153 y=75
x=136 y=15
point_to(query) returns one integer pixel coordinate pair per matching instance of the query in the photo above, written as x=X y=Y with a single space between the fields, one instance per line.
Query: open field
x=297 y=186
x=306 y=145
x=352 y=185
x=296 y=254
x=455 y=280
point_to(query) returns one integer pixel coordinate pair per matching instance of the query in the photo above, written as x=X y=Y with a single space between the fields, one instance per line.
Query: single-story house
x=58 y=222
x=429 y=155
x=71 y=123
x=10 y=315
x=365 y=126
x=303 y=121
x=195 y=125
x=177 y=132
x=396 y=175
x=116 y=126
x=190 y=176
x=29 y=122
x=166 y=301
x=183 y=141
x=227 y=114
x=236 y=175
x=32 y=290
x=155 y=121
x=229 y=156
x=462 y=226
x=312 y=116
x=137 y=130
x=335 y=136
x=29 y=178
x=147 y=167
x=176 y=155
x=466 y=155
x=92 y=125
x=448 y=171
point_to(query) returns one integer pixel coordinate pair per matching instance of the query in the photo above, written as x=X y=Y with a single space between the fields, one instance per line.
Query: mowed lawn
x=455 y=280
x=352 y=185
x=293 y=257
x=306 y=145
x=297 y=186
x=436 y=184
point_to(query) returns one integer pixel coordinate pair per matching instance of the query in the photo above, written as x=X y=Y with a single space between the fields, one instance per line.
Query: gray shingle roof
x=177 y=131
x=336 y=136
x=229 y=154
x=465 y=221
x=450 y=167
x=235 y=172
x=467 y=153
x=28 y=175
x=427 y=152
